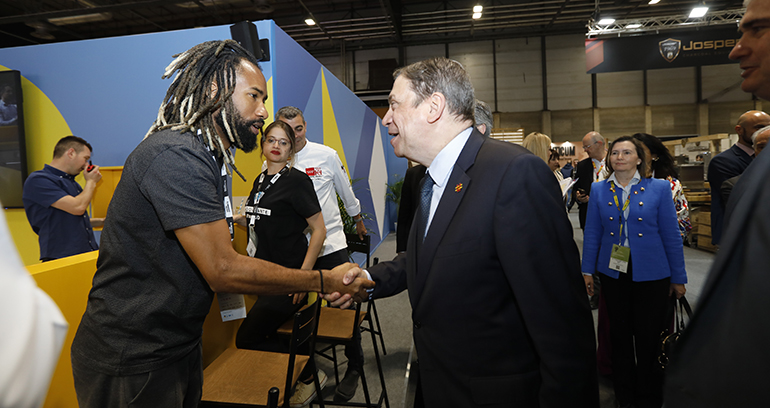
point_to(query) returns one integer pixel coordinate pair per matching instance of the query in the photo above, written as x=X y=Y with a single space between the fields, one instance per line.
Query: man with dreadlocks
x=166 y=246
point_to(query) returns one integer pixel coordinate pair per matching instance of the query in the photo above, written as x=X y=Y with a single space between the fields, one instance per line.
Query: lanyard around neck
x=597 y=172
x=621 y=210
x=252 y=211
x=227 y=202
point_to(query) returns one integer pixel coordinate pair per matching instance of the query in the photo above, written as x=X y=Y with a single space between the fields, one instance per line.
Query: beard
x=245 y=139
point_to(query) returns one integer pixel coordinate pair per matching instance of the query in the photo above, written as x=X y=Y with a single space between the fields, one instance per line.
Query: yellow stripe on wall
x=331 y=131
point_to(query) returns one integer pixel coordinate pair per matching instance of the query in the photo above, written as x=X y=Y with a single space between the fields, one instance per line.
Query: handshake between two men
x=349 y=283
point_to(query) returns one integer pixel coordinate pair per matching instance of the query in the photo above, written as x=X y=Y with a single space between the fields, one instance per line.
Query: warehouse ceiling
x=341 y=24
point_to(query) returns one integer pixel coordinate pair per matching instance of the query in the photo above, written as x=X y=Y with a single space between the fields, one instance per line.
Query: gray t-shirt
x=148 y=302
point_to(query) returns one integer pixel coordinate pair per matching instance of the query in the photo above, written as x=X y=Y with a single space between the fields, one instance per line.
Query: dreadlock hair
x=189 y=103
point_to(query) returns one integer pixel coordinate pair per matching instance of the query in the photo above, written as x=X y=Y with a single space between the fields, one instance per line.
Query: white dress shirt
x=441 y=168
x=323 y=165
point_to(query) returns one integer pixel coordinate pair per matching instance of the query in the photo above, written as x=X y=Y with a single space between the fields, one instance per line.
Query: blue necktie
x=426 y=193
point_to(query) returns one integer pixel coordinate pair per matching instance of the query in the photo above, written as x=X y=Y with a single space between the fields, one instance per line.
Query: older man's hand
x=346 y=284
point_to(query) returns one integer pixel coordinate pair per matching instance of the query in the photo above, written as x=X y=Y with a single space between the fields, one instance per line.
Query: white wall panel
x=620 y=89
x=519 y=75
x=477 y=59
x=717 y=78
x=569 y=86
x=671 y=86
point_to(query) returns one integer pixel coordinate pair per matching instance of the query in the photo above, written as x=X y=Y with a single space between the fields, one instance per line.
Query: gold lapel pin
x=458 y=187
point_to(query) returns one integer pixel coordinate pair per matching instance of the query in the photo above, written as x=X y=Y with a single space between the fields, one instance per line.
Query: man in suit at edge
x=731 y=163
x=589 y=170
x=495 y=285
x=721 y=359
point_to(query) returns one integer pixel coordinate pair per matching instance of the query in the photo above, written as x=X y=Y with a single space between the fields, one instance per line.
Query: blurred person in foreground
x=721 y=359
x=33 y=330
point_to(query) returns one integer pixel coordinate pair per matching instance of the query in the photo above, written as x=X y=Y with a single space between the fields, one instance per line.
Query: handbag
x=677 y=310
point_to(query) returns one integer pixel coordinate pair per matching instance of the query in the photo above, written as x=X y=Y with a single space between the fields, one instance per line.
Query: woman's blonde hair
x=539 y=144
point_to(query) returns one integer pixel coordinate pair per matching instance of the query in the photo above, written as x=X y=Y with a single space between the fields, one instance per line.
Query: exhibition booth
x=107 y=91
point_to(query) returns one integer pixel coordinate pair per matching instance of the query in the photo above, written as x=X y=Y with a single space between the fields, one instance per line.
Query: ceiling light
x=654 y=2
x=606 y=21
x=81 y=19
x=698 y=11
x=310 y=21
x=634 y=25
x=476 y=16
x=478 y=8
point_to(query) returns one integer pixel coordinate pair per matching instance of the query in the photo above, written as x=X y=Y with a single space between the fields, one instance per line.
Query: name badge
x=263 y=211
x=228 y=208
x=251 y=247
x=231 y=306
x=619 y=258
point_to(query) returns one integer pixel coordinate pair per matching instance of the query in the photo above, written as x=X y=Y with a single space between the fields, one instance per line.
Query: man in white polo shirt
x=323 y=165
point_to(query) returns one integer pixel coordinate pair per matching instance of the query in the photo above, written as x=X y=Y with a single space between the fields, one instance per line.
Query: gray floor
x=395 y=312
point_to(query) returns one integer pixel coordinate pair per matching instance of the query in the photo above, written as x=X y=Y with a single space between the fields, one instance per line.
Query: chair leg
x=379 y=328
x=384 y=392
x=272 y=397
x=319 y=399
x=336 y=369
x=367 y=398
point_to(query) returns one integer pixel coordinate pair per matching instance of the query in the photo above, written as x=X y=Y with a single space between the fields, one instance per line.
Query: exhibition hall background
x=108 y=91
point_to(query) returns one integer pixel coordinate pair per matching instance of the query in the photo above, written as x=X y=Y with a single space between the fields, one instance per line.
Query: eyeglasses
x=589 y=146
x=281 y=142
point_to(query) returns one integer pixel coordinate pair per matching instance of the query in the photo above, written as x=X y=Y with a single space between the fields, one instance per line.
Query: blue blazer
x=653 y=232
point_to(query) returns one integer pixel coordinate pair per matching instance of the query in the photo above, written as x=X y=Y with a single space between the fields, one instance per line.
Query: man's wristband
x=358 y=218
x=321 y=274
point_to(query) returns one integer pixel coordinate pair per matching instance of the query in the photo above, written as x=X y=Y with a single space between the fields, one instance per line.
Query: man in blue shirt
x=56 y=205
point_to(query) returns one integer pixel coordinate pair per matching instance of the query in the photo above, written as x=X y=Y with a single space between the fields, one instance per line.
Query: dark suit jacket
x=499 y=307
x=584 y=172
x=410 y=199
x=723 y=166
x=721 y=360
x=727 y=189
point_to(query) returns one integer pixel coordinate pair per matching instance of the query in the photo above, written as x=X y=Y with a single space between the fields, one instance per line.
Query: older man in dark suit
x=492 y=270
x=730 y=163
x=589 y=170
x=721 y=359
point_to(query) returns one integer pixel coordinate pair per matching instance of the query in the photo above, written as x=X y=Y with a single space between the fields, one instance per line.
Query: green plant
x=348 y=225
x=394 y=190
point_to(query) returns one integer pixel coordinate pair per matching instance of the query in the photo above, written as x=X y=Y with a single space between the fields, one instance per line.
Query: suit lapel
x=454 y=191
x=741 y=155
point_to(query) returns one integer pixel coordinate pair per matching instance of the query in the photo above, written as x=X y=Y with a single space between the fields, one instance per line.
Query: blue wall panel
x=108 y=90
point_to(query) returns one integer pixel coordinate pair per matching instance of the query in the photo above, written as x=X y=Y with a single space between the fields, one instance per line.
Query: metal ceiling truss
x=350 y=24
x=621 y=28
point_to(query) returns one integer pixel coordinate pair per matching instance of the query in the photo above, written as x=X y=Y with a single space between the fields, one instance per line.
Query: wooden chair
x=241 y=377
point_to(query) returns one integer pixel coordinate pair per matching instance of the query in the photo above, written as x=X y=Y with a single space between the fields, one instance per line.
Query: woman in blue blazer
x=632 y=239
